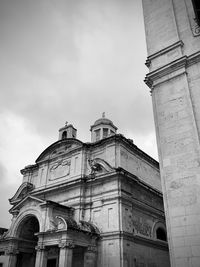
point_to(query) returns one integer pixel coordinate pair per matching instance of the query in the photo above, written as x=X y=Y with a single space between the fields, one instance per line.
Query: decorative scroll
x=98 y=165
x=59 y=169
x=196 y=28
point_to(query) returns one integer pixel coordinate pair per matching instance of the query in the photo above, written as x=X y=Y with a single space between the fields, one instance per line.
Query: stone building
x=88 y=204
x=173 y=44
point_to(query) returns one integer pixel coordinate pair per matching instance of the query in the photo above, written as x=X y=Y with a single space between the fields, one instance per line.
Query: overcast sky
x=68 y=60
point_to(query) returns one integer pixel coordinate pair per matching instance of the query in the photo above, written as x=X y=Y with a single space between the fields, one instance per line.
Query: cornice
x=173 y=67
x=165 y=70
x=163 y=51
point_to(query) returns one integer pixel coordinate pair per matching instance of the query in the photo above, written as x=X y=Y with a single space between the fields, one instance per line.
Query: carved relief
x=195 y=28
x=142 y=227
x=61 y=223
x=66 y=244
x=98 y=165
x=59 y=169
x=12 y=251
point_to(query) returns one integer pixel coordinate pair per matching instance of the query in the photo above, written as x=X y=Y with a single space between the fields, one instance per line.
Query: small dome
x=102 y=128
x=104 y=120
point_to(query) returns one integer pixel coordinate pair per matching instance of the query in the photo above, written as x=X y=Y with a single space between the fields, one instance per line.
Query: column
x=12 y=257
x=90 y=256
x=66 y=253
x=40 y=256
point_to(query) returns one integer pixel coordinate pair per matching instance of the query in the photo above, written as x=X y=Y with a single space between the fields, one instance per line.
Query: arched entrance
x=27 y=241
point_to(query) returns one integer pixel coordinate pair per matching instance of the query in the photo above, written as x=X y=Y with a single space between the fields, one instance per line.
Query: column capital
x=12 y=251
x=66 y=244
x=40 y=247
x=92 y=249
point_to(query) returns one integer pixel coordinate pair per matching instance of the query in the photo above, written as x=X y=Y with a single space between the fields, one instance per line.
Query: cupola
x=68 y=131
x=102 y=128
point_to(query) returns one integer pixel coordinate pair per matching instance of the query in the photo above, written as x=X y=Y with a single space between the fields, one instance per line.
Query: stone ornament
x=66 y=244
x=92 y=249
x=12 y=251
x=40 y=247
x=59 y=169
x=61 y=223
x=98 y=165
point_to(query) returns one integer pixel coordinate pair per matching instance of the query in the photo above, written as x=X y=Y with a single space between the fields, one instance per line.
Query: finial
x=66 y=123
x=103 y=115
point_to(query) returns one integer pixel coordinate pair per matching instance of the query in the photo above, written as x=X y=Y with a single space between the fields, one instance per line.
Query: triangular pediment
x=29 y=201
x=58 y=148
x=21 y=193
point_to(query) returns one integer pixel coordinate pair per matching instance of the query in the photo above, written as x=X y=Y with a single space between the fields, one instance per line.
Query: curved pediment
x=99 y=166
x=22 y=192
x=58 y=148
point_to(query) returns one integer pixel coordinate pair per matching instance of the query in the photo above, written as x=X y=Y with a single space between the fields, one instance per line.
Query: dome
x=103 y=120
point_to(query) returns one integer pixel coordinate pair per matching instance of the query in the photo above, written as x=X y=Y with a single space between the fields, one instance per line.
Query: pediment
x=58 y=148
x=22 y=191
x=99 y=166
x=28 y=201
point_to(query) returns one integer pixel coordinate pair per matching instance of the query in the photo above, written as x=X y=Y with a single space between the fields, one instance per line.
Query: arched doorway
x=27 y=241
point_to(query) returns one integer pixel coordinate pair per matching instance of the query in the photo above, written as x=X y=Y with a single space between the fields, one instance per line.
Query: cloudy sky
x=68 y=60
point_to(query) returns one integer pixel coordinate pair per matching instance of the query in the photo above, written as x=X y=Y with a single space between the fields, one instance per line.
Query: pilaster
x=40 y=256
x=66 y=253
x=12 y=257
x=90 y=256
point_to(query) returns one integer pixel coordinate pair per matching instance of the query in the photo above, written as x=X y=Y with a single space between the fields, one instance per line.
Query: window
x=105 y=132
x=64 y=135
x=160 y=234
x=97 y=133
x=196 y=5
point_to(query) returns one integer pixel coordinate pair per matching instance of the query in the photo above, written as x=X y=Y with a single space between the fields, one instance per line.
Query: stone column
x=12 y=257
x=90 y=257
x=40 y=256
x=66 y=253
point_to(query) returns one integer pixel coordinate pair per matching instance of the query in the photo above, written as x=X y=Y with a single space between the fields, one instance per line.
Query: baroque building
x=173 y=45
x=88 y=204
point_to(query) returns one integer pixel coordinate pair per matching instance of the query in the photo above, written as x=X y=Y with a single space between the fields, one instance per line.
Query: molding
x=165 y=70
x=163 y=51
x=135 y=238
x=174 y=68
x=27 y=187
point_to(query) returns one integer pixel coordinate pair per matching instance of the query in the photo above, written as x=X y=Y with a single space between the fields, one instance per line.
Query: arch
x=161 y=234
x=159 y=231
x=22 y=216
x=28 y=227
x=64 y=135
x=26 y=231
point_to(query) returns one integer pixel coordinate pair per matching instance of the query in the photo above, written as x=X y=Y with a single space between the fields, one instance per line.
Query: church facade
x=88 y=204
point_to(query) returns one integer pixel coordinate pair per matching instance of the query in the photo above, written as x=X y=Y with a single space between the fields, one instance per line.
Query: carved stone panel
x=59 y=169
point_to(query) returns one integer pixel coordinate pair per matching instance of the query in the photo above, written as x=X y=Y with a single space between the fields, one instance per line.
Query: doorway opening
x=27 y=241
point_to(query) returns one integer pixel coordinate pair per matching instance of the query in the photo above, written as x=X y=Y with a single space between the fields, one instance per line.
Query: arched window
x=64 y=135
x=161 y=234
x=196 y=5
